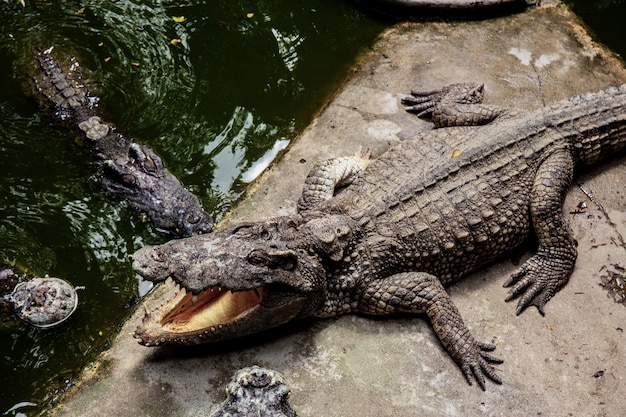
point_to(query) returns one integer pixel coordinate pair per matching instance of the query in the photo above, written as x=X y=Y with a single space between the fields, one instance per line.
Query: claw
x=490 y=358
x=489 y=347
x=510 y=281
x=476 y=364
x=538 y=280
x=422 y=105
x=424 y=102
x=478 y=374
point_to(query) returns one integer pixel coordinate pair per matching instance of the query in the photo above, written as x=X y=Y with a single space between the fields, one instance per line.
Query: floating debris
x=614 y=281
x=44 y=302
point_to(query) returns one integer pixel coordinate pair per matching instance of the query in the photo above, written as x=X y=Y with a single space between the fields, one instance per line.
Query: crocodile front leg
x=550 y=268
x=326 y=176
x=419 y=292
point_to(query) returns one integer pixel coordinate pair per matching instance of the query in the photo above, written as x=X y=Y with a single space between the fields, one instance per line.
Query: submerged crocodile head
x=139 y=177
x=236 y=281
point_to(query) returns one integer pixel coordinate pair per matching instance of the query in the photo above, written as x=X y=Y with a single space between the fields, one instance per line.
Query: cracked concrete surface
x=363 y=366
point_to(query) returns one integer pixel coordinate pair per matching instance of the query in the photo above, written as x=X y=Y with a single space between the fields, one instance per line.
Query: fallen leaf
x=101 y=43
x=175 y=41
x=456 y=153
x=179 y=19
x=107 y=59
x=134 y=64
x=80 y=11
x=249 y=15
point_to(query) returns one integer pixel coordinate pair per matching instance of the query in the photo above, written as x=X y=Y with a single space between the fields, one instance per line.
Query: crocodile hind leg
x=454 y=105
x=419 y=292
x=423 y=103
x=326 y=176
x=550 y=268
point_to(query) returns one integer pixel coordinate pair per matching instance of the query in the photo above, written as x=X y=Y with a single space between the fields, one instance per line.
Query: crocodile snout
x=151 y=263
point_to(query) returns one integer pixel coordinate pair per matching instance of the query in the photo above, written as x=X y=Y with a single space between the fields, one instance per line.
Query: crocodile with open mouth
x=385 y=236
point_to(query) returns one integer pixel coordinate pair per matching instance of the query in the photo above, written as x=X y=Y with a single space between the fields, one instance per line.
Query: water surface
x=217 y=88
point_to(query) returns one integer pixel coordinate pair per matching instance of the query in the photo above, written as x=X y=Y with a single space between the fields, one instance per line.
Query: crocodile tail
x=62 y=90
x=597 y=128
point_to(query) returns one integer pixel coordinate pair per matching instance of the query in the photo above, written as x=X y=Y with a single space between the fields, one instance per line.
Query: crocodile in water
x=128 y=170
x=396 y=234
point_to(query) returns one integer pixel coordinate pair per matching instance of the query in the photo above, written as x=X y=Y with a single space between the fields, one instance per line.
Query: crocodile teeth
x=182 y=311
x=211 y=307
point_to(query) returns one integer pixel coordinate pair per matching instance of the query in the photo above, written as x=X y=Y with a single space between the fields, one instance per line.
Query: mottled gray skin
x=256 y=392
x=392 y=239
x=128 y=170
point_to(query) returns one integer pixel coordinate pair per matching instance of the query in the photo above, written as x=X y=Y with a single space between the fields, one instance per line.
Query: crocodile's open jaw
x=212 y=307
x=186 y=313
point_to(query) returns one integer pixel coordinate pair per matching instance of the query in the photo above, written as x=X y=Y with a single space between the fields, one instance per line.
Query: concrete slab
x=361 y=366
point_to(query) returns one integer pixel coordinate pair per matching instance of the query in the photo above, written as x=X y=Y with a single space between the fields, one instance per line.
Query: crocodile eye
x=242 y=230
x=287 y=261
x=289 y=264
x=258 y=258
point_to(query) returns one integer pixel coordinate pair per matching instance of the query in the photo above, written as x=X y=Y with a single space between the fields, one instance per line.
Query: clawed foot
x=424 y=102
x=476 y=363
x=539 y=279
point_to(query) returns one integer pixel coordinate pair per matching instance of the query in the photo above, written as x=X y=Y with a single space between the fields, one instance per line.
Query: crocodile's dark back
x=465 y=191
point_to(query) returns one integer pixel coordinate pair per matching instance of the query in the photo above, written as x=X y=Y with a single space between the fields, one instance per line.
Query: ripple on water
x=219 y=101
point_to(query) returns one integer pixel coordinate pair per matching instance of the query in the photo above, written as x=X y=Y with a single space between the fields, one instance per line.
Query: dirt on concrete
x=572 y=362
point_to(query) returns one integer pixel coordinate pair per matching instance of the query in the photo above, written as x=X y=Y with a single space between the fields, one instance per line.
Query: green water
x=605 y=18
x=239 y=81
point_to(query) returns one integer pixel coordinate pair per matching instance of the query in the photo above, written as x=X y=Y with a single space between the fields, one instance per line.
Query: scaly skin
x=256 y=392
x=128 y=170
x=403 y=229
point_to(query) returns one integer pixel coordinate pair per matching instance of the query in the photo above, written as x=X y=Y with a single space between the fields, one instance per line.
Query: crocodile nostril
x=158 y=255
